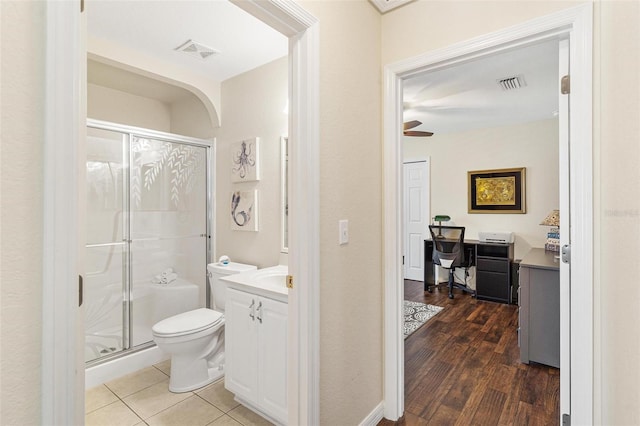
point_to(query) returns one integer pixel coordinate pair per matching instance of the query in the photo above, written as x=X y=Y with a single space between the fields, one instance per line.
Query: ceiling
x=157 y=28
x=467 y=96
x=454 y=99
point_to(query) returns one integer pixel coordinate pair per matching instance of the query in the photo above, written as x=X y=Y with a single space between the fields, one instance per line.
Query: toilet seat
x=187 y=323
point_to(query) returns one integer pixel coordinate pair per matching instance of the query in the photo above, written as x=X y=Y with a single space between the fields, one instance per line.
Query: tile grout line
x=157 y=368
x=193 y=393
x=139 y=390
x=133 y=411
x=163 y=410
x=127 y=405
x=102 y=406
x=224 y=413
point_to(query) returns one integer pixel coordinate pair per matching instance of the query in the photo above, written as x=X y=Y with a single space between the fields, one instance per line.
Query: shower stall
x=148 y=233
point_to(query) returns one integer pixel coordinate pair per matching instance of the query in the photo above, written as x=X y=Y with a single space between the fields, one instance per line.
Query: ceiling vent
x=196 y=49
x=512 y=83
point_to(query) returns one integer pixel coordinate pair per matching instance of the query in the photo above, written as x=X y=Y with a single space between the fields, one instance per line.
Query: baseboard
x=374 y=416
x=118 y=367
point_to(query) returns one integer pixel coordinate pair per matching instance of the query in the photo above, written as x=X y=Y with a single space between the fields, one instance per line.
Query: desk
x=493 y=268
x=539 y=312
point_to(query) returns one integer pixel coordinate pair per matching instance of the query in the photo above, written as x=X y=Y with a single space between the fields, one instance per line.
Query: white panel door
x=271 y=316
x=241 y=345
x=416 y=217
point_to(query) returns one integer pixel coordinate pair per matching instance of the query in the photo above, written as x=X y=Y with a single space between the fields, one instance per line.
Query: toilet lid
x=187 y=322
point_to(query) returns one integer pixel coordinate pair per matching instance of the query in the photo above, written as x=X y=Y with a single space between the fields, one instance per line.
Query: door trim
x=577 y=24
x=62 y=386
x=65 y=120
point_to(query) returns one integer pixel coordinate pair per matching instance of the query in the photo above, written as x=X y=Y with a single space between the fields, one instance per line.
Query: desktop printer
x=496 y=237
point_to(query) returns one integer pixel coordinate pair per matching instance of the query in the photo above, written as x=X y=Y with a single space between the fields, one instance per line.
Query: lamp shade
x=552 y=219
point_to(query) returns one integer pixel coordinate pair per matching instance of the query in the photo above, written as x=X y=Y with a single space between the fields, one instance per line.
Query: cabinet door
x=272 y=363
x=241 y=345
x=492 y=286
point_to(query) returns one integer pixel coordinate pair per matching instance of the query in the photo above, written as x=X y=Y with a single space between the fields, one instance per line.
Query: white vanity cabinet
x=256 y=352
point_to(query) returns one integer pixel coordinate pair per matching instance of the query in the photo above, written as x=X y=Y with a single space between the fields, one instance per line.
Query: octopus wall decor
x=245 y=161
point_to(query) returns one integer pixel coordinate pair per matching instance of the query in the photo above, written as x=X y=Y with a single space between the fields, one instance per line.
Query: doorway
x=62 y=384
x=574 y=24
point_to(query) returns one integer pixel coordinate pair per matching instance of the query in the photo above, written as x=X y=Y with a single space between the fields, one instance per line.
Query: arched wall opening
x=123 y=94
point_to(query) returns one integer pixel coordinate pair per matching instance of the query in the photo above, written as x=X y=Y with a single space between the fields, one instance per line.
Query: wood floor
x=462 y=367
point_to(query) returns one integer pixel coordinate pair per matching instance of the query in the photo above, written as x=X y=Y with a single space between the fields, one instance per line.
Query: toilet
x=195 y=339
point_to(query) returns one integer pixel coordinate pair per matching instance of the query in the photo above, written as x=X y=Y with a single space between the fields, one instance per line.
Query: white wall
x=107 y=104
x=21 y=171
x=531 y=145
x=253 y=105
x=407 y=34
x=189 y=117
x=617 y=211
x=616 y=164
x=185 y=116
x=351 y=305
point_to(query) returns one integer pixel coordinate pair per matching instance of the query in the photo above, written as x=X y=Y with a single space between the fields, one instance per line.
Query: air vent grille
x=196 y=49
x=512 y=83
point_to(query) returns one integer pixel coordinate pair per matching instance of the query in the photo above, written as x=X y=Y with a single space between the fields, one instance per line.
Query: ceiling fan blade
x=417 y=133
x=411 y=124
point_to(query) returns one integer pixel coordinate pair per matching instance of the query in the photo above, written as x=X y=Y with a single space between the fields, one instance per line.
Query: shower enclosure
x=148 y=229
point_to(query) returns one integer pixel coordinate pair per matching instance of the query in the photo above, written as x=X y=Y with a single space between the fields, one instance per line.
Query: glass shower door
x=106 y=246
x=168 y=231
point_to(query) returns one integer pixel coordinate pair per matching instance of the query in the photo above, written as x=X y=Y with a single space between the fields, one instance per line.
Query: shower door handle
x=252 y=311
x=80 y=290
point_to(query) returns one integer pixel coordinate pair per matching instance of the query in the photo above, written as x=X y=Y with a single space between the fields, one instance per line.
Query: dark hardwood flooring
x=463 y=367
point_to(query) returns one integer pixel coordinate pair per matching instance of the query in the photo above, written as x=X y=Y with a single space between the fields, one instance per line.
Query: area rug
x=416 y=314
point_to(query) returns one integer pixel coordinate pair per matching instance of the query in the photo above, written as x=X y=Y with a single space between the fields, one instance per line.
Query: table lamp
x=441 y=218
x=553 y=236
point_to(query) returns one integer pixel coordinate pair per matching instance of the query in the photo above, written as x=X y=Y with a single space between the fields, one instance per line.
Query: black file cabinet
x=493 y=271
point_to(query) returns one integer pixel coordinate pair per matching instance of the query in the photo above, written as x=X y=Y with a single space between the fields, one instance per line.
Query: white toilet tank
x=219 y=287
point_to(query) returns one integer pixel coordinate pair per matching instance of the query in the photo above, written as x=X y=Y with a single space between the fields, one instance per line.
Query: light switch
x=343 y=231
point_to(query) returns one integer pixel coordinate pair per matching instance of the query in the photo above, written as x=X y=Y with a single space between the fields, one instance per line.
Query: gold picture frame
x=497 y=191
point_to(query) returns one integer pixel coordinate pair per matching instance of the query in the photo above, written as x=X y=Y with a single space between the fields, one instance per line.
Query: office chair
x=448 y=252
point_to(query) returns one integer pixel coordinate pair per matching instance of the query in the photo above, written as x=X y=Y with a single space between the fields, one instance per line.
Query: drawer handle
x=252 y=312
x=259 y=316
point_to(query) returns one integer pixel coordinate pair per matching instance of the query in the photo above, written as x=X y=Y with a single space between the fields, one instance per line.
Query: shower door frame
x=132 y=131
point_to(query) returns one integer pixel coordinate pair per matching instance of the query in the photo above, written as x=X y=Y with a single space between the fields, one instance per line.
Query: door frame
x=576 y=24
x=65 y=121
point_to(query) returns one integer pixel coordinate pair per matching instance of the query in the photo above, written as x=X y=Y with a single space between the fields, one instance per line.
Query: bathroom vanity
x=256 y=341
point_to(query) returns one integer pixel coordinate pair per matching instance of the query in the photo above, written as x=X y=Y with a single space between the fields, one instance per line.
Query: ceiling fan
x=410 y=125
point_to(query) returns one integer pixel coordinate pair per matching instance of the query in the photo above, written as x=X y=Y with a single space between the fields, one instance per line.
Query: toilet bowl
x=195 y=339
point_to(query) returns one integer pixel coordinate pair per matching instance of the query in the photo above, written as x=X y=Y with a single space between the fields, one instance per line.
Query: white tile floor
x=143 y=398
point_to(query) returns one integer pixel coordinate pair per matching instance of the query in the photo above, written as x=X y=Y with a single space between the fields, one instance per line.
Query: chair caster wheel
x=451 y=296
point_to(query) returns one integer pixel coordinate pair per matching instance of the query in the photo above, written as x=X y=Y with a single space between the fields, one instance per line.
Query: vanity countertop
x=268 y=282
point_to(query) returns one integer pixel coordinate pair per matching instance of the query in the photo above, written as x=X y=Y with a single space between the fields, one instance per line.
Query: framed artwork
x=244 y=210
x=497 y=191
x=245 y=160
